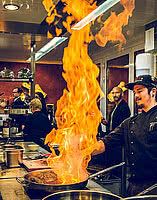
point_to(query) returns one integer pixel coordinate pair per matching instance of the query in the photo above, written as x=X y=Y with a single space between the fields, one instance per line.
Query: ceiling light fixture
x=93 y=15
x=48 y=47
x=12 y=4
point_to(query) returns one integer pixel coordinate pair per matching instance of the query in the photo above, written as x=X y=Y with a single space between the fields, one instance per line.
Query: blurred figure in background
x=40 y=96
x=3 y=101
x=17 y=101
x=37 y=124
x=120 y=111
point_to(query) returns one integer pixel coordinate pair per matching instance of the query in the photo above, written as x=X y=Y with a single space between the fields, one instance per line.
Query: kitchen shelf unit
x=15 y=80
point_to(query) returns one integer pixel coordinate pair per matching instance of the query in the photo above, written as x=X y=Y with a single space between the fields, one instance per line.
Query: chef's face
x=16 y=93
x=116 y=94
x=142 y=98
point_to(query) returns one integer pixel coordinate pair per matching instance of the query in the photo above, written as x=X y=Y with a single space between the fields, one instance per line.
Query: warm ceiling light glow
x=12 y=4
x=11 y=7
x=48 y=47
x=93 y=15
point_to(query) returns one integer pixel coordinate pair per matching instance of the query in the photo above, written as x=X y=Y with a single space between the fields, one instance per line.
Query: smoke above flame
x=77 y=114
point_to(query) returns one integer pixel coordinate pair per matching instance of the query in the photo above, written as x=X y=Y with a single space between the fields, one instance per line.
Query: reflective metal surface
x=146 y=197
x=82 y=195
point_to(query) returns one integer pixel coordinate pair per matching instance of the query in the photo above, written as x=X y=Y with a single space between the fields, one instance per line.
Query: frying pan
x=30 y=185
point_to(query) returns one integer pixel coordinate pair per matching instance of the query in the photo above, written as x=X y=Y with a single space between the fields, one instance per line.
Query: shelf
x=15 y=80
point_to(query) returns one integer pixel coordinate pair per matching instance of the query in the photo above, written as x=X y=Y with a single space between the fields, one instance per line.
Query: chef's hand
x=99 y=148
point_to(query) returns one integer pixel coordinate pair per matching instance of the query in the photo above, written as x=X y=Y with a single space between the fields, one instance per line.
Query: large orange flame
x=77 y=112
x=112 y=27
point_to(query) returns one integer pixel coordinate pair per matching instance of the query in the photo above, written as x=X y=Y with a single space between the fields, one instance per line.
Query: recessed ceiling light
x=11 y=6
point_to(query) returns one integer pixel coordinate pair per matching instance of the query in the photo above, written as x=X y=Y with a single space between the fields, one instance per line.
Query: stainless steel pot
x=83 y=195
x=13 y=157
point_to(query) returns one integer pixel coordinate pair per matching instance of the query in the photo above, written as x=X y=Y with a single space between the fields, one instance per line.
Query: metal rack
x=15 y=80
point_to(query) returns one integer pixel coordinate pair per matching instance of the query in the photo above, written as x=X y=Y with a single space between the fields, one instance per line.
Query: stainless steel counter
x=10 y=189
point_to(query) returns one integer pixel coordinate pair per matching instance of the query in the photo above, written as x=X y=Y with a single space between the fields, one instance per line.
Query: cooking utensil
x=6 y=73
x=107 y=169
x=33 y=147
x=30 y=185
x=145 y=197
x=13 y=157
x=82 y=194
x=152 y=190
x=24 y=73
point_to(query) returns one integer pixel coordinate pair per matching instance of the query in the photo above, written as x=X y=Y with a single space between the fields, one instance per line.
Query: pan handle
x=107 y=169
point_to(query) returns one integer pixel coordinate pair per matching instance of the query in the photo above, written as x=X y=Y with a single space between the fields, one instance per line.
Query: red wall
x=116 y=75
x=49 y=77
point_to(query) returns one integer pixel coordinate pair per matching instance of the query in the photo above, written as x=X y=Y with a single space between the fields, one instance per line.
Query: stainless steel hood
x=18 y=27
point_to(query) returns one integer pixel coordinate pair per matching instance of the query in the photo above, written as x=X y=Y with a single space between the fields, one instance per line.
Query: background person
x=17 y=101
x=40 y=96
x=120 y=112
x=37 y=124
x=139 y=136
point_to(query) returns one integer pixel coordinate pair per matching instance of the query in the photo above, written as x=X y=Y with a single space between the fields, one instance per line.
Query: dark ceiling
x=19 y=28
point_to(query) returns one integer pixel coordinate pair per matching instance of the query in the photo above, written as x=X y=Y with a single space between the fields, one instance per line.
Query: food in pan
x=47 y=177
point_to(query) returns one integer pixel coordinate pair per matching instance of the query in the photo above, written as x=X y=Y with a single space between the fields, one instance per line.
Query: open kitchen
x=73 y=53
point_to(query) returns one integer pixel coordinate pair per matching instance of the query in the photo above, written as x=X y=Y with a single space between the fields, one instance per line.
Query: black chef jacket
x=138 y=135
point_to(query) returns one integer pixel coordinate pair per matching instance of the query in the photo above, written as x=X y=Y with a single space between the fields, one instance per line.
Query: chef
x=138 y=134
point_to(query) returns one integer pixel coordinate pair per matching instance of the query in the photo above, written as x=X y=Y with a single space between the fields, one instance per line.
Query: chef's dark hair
x=149 y=90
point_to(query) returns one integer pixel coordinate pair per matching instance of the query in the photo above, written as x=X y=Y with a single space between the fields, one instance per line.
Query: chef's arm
x=113 y=139
x=99 y=148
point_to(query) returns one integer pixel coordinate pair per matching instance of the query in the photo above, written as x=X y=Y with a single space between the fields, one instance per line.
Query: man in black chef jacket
x=138 y=134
